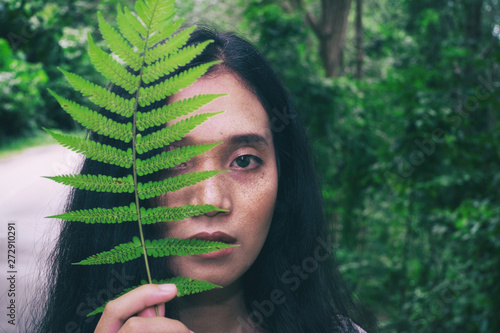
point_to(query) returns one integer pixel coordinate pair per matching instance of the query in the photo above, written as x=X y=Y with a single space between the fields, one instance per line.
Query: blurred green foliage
x=409 y=156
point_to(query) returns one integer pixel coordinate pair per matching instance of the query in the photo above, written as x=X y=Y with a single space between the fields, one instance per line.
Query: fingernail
x=169 y=287
x=191 y=331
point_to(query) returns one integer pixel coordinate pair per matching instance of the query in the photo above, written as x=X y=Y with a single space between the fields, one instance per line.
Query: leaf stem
x=134 y=162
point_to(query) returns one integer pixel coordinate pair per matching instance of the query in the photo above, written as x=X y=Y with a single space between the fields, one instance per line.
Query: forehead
x=243 y=112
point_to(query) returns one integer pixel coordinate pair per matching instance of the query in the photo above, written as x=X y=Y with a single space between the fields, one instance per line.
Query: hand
x=134 y=312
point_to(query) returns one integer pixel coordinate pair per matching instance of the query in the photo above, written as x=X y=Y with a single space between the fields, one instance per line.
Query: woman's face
x=247 y=192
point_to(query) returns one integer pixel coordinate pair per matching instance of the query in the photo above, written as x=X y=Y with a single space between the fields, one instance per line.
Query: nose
x=214 y=191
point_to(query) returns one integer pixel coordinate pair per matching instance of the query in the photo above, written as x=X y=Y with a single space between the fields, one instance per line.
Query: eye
x=247 y=162
x=179 y=166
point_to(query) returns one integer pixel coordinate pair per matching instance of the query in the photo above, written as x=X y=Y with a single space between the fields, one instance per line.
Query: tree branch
x=308 y=17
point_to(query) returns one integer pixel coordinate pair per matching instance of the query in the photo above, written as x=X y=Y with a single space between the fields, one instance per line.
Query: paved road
x=25 y=199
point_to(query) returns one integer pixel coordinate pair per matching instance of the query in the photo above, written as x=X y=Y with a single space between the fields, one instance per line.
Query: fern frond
x=97 y=183
x=185 y=286
x=101 y=215
x=163 y=115
x=156 y=248
x=172 y=184
x=118 y=44
x=94 y=150
x=169 y=214
x=95 y=121
x=169 y=64
x=145 y=50
x=169 y=87
x=111 y=69
x=171 y=45
x=170 y=134
x=101 y=96
x=131 y=28
x=171 y=158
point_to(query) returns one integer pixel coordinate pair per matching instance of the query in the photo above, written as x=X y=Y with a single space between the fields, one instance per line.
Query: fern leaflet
x=167 y=135
x=156 y=248
x=169 y=112
x=95 y=150
x=170 y=158
x=168 y=214
x=101 y=215
x=185 y=286
x=101 y=96
x=173 y=85
x=97 y=183
x=172 y=184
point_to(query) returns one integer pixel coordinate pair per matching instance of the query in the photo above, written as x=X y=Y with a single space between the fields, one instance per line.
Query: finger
x=151 y=312
x=119 y=310
x=156 y=325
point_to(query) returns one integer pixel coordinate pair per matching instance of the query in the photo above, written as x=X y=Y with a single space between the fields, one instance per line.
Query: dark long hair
x=294 y=285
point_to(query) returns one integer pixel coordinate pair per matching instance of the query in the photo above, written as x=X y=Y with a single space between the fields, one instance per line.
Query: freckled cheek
x=257 y=197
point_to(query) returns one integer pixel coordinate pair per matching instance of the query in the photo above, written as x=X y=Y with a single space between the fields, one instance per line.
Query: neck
x=216 y=311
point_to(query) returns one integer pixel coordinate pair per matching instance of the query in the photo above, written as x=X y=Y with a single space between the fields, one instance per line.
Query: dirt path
x=25 y=199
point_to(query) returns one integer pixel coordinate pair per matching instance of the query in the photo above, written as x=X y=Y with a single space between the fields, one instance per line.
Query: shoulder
x=358 y=329
x=349 y=325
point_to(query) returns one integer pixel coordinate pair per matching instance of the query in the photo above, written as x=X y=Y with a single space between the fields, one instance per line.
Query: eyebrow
x=234 y=140
x=247 y=139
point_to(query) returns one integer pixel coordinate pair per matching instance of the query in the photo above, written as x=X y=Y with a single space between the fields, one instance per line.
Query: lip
x=217 y=236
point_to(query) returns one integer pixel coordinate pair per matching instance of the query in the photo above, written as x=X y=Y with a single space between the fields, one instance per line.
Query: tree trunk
x=360 y=52
x=332 y=38
x=473 y=23
x=331 y=31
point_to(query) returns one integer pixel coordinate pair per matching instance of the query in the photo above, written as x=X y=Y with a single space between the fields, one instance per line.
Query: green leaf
x=185 y=286
x=144 y=43
x=182 y=247
x=171 y=45
x=172 y=184
x=167 y=135
x=131 y=28
x=97 y=183
x=163 y=115
x=120 y=253
x=111 y=69
x=155 y=13
x=101 y=96
x=170 y=158
x=118 y=44
x=169 y=87
x=94 y=121
x=169 y=214
x=94 y=150
x=101 y=215
x=171 y=63
x=163 y=35
x=156 y=248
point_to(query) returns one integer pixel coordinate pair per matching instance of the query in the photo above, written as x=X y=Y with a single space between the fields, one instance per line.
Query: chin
x=216 y=273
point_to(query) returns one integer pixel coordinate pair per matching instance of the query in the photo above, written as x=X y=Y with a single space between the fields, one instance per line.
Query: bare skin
x=248 y=193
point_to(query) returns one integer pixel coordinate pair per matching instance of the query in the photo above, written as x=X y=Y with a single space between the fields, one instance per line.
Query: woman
x=281 y=278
